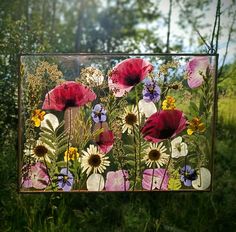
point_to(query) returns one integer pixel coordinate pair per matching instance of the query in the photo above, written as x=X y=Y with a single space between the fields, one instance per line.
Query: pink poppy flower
x=164 y=124
x=117 y=181
x=127 y=74
x=195 y=67
x=68 y=94
x=152 y=179
x=37 y=177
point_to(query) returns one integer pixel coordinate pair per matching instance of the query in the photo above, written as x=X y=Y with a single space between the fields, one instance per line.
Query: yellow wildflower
x=37 y=117
x=71 y=154
x=196 y=125
x=168 y=103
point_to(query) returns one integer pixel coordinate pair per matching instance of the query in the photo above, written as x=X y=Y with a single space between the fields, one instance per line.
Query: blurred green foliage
x=72 y=26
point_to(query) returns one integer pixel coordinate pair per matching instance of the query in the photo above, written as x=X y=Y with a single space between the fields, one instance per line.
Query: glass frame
x=65 y=62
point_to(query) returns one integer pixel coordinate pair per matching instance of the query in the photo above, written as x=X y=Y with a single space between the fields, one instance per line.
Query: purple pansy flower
x=65 y=179
x=117 y=181
x=151 y=91
x=187 y=175
x=99 y=114
x=152 y=179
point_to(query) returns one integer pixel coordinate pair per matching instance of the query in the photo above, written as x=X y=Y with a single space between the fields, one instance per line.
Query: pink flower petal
x=194 y=67
x=152 y=179
x=37 y=177
x=68 y=94
x=127 y=74
x=117 y=181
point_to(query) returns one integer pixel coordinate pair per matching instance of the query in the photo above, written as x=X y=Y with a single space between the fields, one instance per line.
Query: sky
x=208 y=18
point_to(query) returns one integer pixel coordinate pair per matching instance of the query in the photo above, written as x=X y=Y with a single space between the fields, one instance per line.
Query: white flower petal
x=147 y=108
x=177 y=140
x=203 y=180
x=95 y=182
x=53 y=120
x=184 y=149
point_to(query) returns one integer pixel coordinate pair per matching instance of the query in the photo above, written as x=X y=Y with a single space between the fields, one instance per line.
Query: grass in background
x=118 y=212
x=227 y=109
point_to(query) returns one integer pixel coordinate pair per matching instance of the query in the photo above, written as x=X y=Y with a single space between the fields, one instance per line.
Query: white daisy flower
x=42 y=152
x=178 y=147
x=129 y=119
x=147 y=108
x=95 y=182
x=94 y=161
x=155 y=154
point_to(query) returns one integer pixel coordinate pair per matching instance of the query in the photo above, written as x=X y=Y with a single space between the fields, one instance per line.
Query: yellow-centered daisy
x=129 y=119
x=155 y=154
x=94 y=161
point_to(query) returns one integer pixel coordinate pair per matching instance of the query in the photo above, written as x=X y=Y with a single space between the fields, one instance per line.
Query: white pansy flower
x=95 y=182
x=53 y=120
x=178 y=147
x=147 y=108
x=203 y=180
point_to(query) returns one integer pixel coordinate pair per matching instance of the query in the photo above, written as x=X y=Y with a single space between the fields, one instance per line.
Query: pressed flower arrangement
x=116 y=122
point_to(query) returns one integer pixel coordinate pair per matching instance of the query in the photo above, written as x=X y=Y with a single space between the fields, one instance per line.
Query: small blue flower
x=188 y=175
x=151 y=91
x=65 y=179
x=99 y=114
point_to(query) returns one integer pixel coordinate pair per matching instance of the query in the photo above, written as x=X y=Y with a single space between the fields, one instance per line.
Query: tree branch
x=168 y=30
x=194 y=27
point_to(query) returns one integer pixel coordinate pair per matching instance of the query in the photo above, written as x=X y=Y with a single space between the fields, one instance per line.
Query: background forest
x=30 y=26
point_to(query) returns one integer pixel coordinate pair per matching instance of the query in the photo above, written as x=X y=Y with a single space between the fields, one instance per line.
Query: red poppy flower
x=68 y=94
x=163 y=125
x=105 y=139
x=127 y=74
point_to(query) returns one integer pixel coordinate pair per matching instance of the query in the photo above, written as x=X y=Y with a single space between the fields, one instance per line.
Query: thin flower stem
x=135 y=160
x=68 y=144
x=122 y=169
x=166 y=166
x=139 y=135
x=185 y=163
x=82 y=184
x=50 y=180
x=153 y=169
x=199 y=168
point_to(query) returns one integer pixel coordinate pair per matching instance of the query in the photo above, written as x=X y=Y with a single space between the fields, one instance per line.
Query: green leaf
x=48 y=142
x=49 y=124
x=61 y=149
x=129 y=148
x=61 y=164
x=61 y=125
x=46 y=130
x=193 y=108
x=47 y=136
x=174 y=184
x=131 y=162
x=62 y=142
